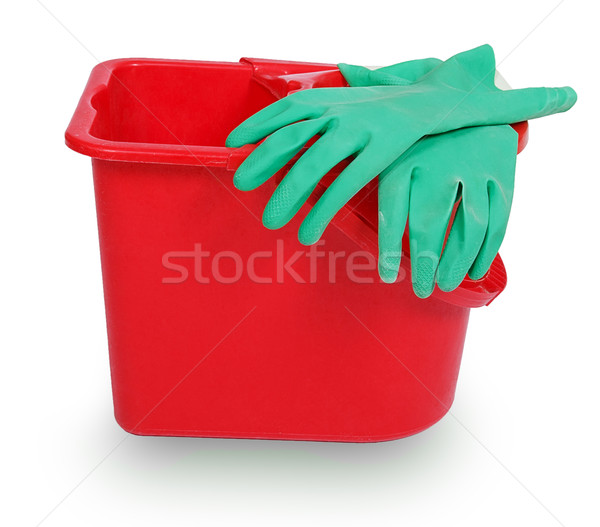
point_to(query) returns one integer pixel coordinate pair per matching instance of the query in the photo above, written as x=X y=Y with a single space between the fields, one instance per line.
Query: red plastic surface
x=316 y=358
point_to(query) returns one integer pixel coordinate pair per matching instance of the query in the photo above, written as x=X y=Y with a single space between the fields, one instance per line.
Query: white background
x=528 y=391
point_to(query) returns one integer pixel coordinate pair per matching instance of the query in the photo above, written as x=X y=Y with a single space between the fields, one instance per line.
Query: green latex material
x=374 y=125
x=477 y=164
x=473 y=165
x=400 y=74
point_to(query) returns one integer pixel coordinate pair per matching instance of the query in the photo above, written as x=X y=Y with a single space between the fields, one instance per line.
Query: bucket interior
x=182 y=103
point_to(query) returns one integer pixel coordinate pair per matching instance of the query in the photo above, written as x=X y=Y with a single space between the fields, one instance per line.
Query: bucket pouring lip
x=272 y=74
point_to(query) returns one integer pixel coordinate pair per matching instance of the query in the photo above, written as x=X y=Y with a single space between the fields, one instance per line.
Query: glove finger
x=359 y=76
x=393 y=197
x=275 y=152
x=271 y=118
x=500 y=195
x=512 y=106
x=429 y=213
x=500 y=203
x=295 y=188
x=356 y=175
x=235 y=138
x=411 y=70
x=396 y=75
x=465 y=238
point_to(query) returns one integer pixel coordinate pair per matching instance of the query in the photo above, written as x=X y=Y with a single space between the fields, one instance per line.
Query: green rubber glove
x=422 y=186
x=476 y=165
x=375 y=125
x=400 y=74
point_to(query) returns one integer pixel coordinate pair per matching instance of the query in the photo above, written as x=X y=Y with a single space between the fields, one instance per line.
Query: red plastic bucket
x=218 y=327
